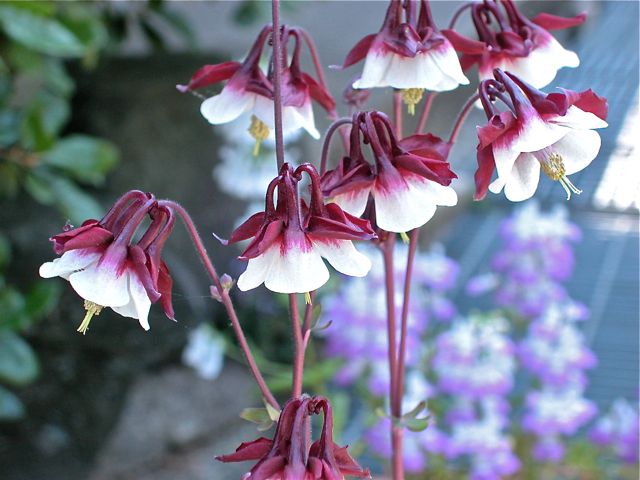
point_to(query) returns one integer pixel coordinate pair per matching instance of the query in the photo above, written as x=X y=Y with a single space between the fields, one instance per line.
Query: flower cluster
x=108 y=268
x=409 y=179
x=250 y=91
x=290 y=456
x=619 y=429
x=290 y=238
x=553 y=133
x=407 y=53
x=510 y=41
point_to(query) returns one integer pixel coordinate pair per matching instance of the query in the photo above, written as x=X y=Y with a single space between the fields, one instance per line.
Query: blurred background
x=525 y=317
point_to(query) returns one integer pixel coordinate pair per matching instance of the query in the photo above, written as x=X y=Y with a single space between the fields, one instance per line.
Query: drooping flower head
x=107 y=268
x=510 y=41
x=407 y=181
x=249 y=90
x=290 y=238
x=407 y=53
x=289 y=456
x=549 y=132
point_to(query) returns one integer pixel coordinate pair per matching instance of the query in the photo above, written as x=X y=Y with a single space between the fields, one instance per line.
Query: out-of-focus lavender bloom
x=475 y=358
x=480 y=435
x=359 y=330
x=554 y=349
x=204 y=352
x=619 y=429
x=536 y=255
x=559 y=411
x=549 y=448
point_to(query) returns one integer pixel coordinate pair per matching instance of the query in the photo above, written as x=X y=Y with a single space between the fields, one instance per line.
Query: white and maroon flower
x=289 y=456
x=407 y=55
x=249 y=91
x=516 y=44
x=549 y=132
x=290 y=239
x=106 y=269
x=409 y=179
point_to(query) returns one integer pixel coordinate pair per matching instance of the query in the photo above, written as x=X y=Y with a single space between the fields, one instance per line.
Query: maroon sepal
x=210 y=74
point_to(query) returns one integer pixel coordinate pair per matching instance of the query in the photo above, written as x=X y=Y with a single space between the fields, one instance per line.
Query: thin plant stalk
x=277 y=81
x=426 y=110
x=298 y=346
x=225 y=299
x=462 y=116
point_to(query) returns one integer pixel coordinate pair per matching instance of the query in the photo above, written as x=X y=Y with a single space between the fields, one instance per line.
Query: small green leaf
x=42 y=298
x=416 y=424
x=18 y=362
x=74 y=204
x=416 y=411
x=179 y=24
x=12 y=306
x=5 y=252
x=43 y=121
x=43 y=34
x=9 y=127
x=259 y=416
x=9 y=179
x=84 y=158
x=272 y=412
x=11 y=408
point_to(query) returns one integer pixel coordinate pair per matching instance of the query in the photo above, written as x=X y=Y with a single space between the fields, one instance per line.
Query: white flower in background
x=204 y=351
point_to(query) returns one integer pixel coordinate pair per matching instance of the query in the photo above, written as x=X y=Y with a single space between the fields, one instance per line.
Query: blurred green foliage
x=38 y=42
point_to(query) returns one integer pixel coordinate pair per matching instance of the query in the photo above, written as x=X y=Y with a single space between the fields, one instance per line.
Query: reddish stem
x=327 y=141
x=298 y=346
x=308 y=314
x=387 y=251
x=397 y=460
x=456 y=15
x=277 y=81
x=413 y=243
x=226 y=300
x=424 y=116
x=462 y=116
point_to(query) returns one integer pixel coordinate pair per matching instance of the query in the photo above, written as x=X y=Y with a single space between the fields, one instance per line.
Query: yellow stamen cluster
x=258 y=130
x=411 y=97
x=307 y=298
x=404 y=237
x=92 y=309
x=554 y=168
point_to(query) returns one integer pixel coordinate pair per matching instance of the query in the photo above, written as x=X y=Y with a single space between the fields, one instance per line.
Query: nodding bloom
x=549 y=132
x=514 y=43
x=249 y=91
x=108 y=269
x=409 y=179
x=411 y=55
x=290 y=238
x=289 y=456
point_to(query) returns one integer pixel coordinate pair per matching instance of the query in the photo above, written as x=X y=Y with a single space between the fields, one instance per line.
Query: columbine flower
x=410 y=55
x=549 y=132
x=521 y=46
x=290 y=238
x=409 y=180
x=249 y=91
x=289 y=456
x=107 y=269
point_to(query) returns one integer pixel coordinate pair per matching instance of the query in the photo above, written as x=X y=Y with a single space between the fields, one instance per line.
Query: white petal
x=294 y=118
x=447 y=61
x=538 y=134
x=139 y=303
x=68 y=263
x=102 y=285
x=578 y=118
x=497 y=185
x=353 y=202
x=442 y=195
x=409 y=205
x=296 y=271
x=343 y=256
x=375 y=68
x=417 y=72
x=523 y=182
x=578 y=149
x=227 y=106
x=263 y=109
x=256 y=271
